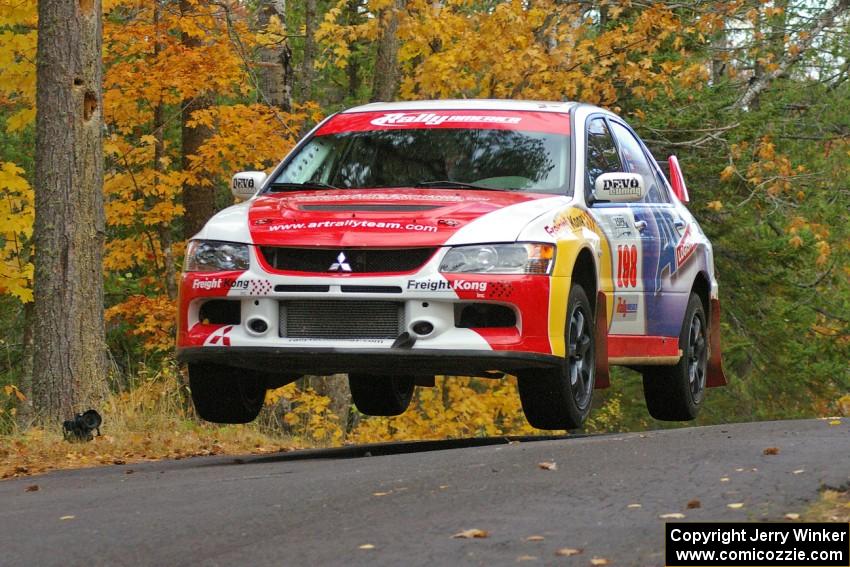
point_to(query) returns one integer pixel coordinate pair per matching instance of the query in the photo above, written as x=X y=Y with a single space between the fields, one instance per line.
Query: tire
x=223 y=394
x=560 y=398
x=676 y=393
x=381 y=395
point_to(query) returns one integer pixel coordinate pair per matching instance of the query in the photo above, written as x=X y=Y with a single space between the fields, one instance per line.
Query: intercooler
x=341 y=319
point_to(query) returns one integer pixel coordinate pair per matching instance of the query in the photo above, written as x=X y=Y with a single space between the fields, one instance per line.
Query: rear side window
x=602 y=154
x=636 y=162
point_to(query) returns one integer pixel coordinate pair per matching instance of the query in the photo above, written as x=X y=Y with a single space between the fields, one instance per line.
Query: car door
x=660 y=228
x=618 y=222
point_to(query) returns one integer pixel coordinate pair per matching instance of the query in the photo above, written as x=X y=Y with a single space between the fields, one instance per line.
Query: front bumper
x=324 y=361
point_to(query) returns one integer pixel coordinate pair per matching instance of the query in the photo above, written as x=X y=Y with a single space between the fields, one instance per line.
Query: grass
x=150 y=421
x=833 y=506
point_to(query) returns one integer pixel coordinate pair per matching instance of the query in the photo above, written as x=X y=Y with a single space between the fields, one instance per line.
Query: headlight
x=517 y=258
x=214 y=256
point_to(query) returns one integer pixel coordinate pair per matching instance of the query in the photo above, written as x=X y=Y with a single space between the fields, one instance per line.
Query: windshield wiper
x=306 y=185
x=459 y=184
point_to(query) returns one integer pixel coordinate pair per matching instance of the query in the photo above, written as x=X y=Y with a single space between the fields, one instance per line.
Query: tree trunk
x=385 y=80
x=353 y=67
x=69 y=362
x=275 y=68
x=198 y=199
x=309 y=61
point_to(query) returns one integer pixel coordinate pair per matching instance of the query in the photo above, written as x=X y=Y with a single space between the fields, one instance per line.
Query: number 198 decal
x=627 y=259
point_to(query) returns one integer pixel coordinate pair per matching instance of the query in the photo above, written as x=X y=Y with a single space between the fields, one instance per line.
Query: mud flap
x=716 y=377
x=601 y=339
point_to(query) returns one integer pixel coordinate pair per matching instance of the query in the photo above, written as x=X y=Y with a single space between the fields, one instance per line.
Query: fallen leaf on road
x=535 y=538
x=568 y=552
x=799 y=471
x=32 y=488
x=735 y=505
x=67 y=517
x=129 y=471
x=471 y=534
x=672 y=516
x=724 y=479
x=119 y=462
x=835 y=422
x=694 y=504
x=444 y=486
x=633 y=506
x=771 y=451
x=366 y=546
x=548 y=465
x=526 y=558
x=599 y=561
x=792 y=516
x=739 y=469
x=380 y=493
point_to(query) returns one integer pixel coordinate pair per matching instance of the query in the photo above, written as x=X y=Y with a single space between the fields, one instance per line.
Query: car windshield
x=453 y=158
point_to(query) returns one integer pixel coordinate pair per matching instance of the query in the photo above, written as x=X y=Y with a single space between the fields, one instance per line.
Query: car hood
x=391 y=217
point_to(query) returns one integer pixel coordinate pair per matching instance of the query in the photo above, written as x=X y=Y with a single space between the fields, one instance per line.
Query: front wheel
x=223 y=394
x=675 y=393
x=559 y=398
x=381 y=395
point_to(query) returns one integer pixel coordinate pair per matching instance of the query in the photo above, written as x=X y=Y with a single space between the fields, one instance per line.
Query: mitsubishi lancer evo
x=402 y=241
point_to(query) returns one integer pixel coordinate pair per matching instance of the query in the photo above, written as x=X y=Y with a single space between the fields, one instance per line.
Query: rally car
x=397 y=242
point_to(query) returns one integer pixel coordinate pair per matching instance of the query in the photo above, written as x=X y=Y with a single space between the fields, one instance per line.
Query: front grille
x=322 y=319
x=361 y=260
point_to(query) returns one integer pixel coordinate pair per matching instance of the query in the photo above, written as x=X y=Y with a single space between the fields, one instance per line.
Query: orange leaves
x=151 y=318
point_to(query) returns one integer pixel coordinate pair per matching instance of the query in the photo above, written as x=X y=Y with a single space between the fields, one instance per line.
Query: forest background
x=752 y=96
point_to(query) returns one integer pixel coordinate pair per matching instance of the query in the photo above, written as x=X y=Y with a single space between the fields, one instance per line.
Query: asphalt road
x=407 y=500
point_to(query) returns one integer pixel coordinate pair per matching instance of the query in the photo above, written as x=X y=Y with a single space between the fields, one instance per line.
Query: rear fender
x=716 y=377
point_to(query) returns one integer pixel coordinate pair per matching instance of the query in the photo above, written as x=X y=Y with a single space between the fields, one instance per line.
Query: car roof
x=466 y=104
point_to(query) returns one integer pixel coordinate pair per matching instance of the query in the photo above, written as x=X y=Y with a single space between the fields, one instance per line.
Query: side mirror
x=677 y=180
x=246 y=183
x=619 y=187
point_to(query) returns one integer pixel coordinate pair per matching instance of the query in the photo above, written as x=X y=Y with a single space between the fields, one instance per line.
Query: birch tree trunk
x=275 y=68
x=69 y=355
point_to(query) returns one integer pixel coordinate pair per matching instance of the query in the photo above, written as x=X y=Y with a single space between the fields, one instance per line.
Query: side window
x=602 y=156
x=636 y=162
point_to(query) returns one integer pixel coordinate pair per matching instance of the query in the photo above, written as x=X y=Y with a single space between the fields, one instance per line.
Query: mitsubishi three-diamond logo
x=340 y=264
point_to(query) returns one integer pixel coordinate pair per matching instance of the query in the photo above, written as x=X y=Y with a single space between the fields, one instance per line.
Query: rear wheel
x=675 y=393
x=223 y=394
x=381 y=395
x=559 y=398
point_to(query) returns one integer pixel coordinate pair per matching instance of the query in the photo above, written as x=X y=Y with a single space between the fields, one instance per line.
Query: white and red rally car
x=401 y=241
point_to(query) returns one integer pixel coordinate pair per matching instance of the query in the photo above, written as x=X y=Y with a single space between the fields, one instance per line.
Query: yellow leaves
x=16 y=218
x=473 y=533
x=12 y=390
x=715 y=206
